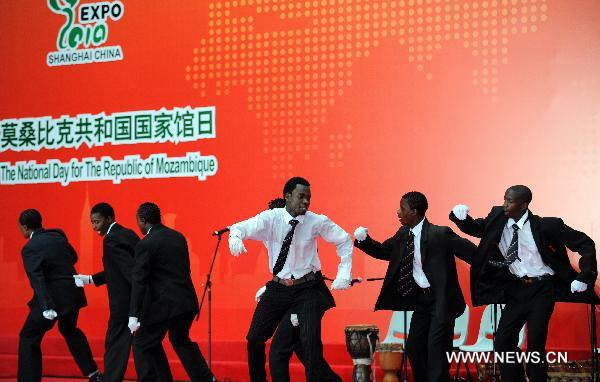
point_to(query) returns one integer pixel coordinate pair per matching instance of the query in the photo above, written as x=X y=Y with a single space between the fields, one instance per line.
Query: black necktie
x=406 y=282
x=285 y=248
x=512 y=252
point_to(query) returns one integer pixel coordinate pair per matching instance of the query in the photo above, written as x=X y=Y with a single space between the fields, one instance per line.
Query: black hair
x=291 y=184
x=523 y=193
x=416 y=201
x=149 y=212
x=31 y=218
x=104 y=209
x=277 y=203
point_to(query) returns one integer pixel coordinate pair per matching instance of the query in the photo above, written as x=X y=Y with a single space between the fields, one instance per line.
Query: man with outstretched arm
x=290 y=235
x=522 y=261
x=422 y=277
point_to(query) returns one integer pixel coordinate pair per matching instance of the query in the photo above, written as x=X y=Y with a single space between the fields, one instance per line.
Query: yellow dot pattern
x=295 y=57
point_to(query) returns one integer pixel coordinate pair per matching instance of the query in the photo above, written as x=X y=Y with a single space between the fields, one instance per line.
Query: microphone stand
x=494 y=323
x=404 y=365
x=208 y=287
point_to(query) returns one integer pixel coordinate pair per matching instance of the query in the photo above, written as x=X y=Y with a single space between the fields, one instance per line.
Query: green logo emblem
x=81 y=38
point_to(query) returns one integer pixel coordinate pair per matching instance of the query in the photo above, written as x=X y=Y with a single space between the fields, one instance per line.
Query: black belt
x=310 y=276
x=533 y=279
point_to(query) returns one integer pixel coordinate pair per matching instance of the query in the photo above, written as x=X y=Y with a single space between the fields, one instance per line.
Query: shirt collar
x=34 y=232
x=110 y=226
x=521 y=221
x=289 y=217
x=416 y=230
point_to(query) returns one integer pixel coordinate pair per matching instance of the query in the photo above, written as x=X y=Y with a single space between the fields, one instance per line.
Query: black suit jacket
x=552 y=238
x=162 y=270
x=117 y=258
x=439 y=245
x=49 y=260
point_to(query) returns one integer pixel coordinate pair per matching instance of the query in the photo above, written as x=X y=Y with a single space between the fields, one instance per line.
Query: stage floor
x=49 y=379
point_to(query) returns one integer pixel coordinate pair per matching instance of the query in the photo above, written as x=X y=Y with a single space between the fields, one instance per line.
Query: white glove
x=360 y=233
x=294 y=319
x=578 y=286
x=133 y=324
x=260 y=292
x=236 y=246
x=49 y=314
x=83 y=280
x=340 y=284
x=460 y=211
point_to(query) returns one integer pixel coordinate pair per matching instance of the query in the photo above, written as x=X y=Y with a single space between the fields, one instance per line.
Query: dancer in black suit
x=422 y=276
x=163 y=299
x=522 y=261
x=49 y=263
x=290 y=235
x=117 y=257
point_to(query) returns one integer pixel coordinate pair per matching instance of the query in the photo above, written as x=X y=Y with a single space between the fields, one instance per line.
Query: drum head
x=361 y=340
x=362 y=328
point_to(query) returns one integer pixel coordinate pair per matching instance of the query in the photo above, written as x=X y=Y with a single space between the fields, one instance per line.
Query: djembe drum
x=390 y=360
x=361 y=341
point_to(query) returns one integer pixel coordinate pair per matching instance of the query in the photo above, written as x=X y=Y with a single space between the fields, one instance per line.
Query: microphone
x=221 y=231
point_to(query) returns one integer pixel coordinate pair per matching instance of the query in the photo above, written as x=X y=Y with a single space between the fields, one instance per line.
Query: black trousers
x=308 y=302
x=117 y=349
x=30 y=339
x=533 y=304
x=286 y=342
x=429 y=340
x=150 y=360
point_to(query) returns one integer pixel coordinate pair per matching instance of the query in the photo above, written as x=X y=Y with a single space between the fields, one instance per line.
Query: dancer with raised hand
x=422 y=277
x=522 y=261
x=290 y=235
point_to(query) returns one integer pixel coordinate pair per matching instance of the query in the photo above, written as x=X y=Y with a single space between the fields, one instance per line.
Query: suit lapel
x=402 y=252
x=534 y=223
x=424 y=238
x=498 y=226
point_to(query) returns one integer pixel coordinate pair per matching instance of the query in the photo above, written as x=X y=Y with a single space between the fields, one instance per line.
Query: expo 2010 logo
x=82 y=38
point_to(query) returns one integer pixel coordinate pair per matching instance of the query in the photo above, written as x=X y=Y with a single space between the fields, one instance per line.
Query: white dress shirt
x=418 y=273
x=272 y=226
x=531 y=263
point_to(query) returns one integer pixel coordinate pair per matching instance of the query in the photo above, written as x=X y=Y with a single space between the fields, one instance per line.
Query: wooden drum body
x=361 y=342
